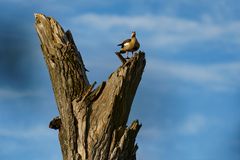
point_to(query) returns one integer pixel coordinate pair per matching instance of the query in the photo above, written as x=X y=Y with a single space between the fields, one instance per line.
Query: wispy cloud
x=164 y=31
x=38 y=140
x=31 y=133
x=193 y=124
x=153 y=132
x=109 y=21
x=216 y=77
x=12 y=94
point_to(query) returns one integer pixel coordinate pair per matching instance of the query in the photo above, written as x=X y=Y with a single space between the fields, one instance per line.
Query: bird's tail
x=120 y=45
x=120 y=52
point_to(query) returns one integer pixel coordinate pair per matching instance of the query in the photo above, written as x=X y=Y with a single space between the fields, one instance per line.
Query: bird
x=130 y=45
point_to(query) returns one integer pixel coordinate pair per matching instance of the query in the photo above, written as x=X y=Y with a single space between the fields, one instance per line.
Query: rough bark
x=92 y=121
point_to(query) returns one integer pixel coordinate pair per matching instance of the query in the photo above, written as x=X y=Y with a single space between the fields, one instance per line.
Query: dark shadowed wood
x=92 y=121
x=122 y=59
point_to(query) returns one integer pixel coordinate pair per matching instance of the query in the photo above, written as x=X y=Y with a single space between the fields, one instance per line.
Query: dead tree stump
x=92 y=121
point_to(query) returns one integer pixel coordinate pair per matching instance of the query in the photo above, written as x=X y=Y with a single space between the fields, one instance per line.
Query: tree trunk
x=92 y=121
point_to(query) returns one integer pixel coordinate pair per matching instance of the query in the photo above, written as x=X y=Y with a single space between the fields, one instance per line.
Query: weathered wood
x=122 y=59
x=92 y=123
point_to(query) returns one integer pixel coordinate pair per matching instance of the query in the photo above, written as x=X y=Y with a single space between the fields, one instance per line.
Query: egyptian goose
x=130 y=45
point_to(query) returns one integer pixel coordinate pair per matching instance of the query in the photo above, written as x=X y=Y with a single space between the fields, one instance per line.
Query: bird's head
x=133 y=34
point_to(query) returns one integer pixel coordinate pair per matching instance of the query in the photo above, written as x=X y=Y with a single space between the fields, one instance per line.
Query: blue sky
x=188 y=99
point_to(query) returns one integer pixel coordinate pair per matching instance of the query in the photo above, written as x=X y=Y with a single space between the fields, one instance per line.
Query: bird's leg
x=127 y=56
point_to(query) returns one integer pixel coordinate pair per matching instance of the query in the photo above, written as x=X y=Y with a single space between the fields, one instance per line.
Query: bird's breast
x=126 y=44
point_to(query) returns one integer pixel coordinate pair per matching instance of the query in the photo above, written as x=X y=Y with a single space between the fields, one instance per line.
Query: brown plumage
x=129 y=45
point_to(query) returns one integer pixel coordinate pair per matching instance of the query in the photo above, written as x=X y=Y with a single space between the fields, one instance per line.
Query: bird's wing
x=136 y=45
x=124 y=42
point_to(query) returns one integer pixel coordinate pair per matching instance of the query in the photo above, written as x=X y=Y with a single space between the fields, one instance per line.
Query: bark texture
x=92 y=121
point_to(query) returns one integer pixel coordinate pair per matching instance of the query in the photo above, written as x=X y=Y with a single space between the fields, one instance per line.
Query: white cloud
x=152 y=132
x=193 y=124
x=34 y=132
x=169 y=34
x=12 y=94
x=216 y=77
x=163 y=31
x=190 y=125
x=109 y=21
x=38 y=139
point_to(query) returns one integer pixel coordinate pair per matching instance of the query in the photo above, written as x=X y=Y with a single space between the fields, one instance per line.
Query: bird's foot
x=134 y=53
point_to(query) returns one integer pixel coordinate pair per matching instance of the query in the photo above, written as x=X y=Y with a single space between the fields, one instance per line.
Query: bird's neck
x=133 y=38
